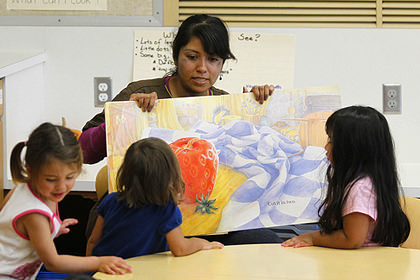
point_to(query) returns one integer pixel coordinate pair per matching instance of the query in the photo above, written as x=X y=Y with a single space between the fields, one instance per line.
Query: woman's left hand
x=261 y=93
x=66 y=223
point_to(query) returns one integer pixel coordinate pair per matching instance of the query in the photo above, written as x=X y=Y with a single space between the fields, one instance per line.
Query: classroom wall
x=357 y=60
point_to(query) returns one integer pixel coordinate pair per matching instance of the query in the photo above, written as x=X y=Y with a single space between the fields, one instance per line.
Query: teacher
x=199 y=50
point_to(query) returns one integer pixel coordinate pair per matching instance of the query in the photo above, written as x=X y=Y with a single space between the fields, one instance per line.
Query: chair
x=76 y=132
x=101 y=186
x=101 y=181
x=411 y=208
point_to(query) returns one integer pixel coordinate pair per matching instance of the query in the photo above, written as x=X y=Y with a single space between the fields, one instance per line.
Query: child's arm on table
x=181 y=246
x=95 y=236
x=37 y=228
x=352 y=236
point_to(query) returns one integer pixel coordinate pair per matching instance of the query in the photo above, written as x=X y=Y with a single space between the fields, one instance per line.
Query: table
x=272 y=261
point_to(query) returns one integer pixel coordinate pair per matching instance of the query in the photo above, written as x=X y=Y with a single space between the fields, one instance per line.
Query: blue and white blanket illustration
x=284 y=181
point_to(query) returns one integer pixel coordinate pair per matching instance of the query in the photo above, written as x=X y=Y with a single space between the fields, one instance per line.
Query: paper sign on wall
x=64 y=5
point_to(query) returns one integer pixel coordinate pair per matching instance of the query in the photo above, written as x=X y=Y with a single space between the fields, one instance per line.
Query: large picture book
x=244 y=165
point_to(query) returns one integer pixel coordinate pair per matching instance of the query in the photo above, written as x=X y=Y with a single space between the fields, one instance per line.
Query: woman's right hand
x=113 y=265
x=261 y=93
x=145 y=101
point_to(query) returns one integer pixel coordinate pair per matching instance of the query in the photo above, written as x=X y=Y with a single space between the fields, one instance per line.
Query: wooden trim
x=379 y=17
x=402 y=25
x=308 y=19
x=279 y=4
x=411 y=12
x=302 y=24
x=405 y=5
x=291 y=12
x=401 y=19
x=170 y=12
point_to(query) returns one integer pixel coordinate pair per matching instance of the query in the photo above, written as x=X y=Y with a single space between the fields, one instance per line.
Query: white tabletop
x=272 y=261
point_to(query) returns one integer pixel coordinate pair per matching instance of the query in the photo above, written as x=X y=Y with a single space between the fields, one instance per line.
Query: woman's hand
x=145 y=101
x=261 y=93
x=66 y=223
x=303 y=240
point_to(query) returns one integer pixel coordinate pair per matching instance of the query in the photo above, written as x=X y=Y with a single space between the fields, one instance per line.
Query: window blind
x=309 y=13
x=401 y=14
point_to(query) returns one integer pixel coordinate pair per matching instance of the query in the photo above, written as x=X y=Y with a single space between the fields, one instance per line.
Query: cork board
x=81 y=12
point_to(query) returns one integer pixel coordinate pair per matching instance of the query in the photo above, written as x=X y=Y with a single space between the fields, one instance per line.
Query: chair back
x=411 y=208
x=101 y=181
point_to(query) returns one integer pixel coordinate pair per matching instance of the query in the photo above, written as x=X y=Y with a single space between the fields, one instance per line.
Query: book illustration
x=271 y=162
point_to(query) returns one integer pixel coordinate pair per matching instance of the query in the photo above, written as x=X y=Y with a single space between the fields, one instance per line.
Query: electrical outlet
x=102 y=90
x=391 y=98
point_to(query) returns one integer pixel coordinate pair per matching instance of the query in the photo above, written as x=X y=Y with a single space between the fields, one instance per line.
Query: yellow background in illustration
x=126 y=123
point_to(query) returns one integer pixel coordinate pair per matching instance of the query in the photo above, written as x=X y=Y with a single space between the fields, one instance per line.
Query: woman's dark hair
x=48 y=142
x=211 y=31
x=149 y=174
x=362 y=146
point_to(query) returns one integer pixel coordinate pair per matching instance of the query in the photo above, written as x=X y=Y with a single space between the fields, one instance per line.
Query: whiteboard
x=262 y=58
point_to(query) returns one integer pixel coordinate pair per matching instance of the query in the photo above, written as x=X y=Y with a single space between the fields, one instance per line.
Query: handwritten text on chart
x=249 y=37
x=158 y=51
x=96 y=5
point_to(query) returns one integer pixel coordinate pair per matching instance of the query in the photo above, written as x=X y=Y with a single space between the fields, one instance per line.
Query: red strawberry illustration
x=199 y=161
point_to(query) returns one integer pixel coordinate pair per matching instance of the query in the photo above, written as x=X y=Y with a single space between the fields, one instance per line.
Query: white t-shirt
x=18 y=259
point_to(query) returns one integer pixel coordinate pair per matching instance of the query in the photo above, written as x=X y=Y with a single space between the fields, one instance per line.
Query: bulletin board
x=81 y=12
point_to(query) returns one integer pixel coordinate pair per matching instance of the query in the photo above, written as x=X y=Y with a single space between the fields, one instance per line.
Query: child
x=29 y=218
x=362 y=205
x=143 y=216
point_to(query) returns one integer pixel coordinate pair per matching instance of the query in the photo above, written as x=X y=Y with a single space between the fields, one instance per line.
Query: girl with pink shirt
x=362 y=206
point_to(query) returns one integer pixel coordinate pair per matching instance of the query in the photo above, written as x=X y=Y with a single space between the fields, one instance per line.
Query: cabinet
x=1 y=141
x=22 y=102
